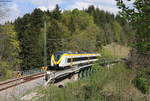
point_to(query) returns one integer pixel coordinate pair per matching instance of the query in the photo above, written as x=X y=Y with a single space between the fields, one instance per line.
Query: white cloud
x=42 y=8
x=39 y=2
x=46 y=4
x=113 y=10
x=50 y=7
x=12 y=12
x=102 y=1
x=80 y=5
x=107 y=5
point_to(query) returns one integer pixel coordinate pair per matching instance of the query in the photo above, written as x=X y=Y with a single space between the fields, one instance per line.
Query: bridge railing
x=32 y=71
x=54 y=75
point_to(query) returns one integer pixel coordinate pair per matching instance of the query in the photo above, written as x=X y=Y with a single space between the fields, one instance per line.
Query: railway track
x=14 y=82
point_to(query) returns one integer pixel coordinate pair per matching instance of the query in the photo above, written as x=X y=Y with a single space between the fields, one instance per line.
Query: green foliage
x=56 y=13
x=142 y=79
x=82 y=29
x=29 y=34
x=117 y=29
x=76 y=20
x=71 y=30
x=79 y=40
x=97 y=67
x=142 y=84
x=9 y=51
x=76 y=30
x=113 y=29
x=107 y=54
x=138 y=16
x=103 y=85
x=59 y=34
x=5 y=70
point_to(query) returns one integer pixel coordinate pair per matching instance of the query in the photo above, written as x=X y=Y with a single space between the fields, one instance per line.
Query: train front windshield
x=58 y=55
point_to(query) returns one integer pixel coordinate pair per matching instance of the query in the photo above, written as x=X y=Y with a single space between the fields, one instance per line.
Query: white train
x=68 y=59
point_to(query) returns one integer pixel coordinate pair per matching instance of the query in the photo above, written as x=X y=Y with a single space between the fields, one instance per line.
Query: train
x=63 y=59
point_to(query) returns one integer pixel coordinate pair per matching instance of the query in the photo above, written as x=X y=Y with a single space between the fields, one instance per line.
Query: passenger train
x=63 y=59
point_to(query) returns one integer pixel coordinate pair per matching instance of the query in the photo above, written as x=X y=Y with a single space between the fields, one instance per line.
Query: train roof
x=69 y=52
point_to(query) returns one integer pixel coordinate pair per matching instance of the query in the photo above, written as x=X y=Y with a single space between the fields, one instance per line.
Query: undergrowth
x=113 y=84
x=142 y=80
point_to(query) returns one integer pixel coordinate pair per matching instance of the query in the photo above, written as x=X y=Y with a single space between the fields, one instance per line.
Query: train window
x=93 y=57
x=69 y=60
x=81 y=58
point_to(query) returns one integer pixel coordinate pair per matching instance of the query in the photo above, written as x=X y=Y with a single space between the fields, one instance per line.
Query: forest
x=67 y=30
x=22 y=42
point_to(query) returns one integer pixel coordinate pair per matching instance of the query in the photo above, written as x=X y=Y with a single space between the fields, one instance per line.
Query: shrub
x=5 y=71
x=142 y=84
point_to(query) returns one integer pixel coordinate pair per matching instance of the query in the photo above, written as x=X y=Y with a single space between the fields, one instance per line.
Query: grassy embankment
x=114 y=51
x=105 y=84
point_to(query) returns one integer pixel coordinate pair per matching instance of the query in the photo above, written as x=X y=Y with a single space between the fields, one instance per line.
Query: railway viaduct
x=13 y=89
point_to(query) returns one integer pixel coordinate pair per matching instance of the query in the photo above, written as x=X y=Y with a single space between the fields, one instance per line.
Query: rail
x=14 y=82
x=52 y=75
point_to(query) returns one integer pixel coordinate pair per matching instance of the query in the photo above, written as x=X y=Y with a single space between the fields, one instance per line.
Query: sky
x=20 y=7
